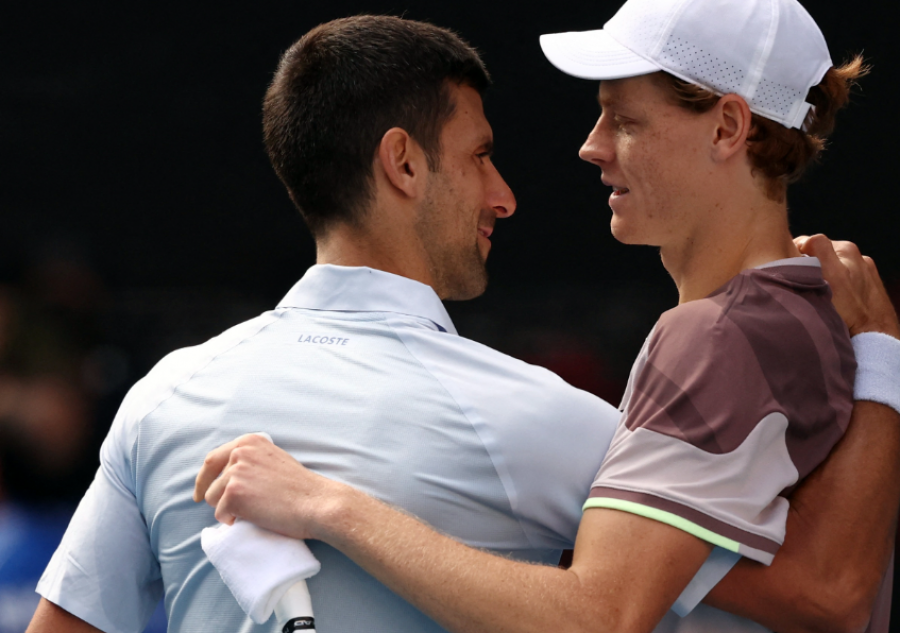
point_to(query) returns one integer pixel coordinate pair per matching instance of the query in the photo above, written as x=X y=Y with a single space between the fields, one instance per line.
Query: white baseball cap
x=770 y=52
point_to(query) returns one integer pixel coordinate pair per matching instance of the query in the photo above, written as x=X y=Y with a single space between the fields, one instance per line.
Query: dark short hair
x=340 y=88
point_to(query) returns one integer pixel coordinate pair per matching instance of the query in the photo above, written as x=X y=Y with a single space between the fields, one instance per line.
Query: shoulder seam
x=475 y=429
x=276 y=316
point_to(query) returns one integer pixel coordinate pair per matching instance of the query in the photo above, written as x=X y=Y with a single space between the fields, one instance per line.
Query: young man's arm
x=626 y=572
x=842 y=522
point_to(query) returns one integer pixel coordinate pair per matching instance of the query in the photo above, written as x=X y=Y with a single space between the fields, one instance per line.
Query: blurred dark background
x=138 y=213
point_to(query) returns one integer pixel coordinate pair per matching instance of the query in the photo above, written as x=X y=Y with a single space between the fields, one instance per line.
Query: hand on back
x=859 y=294
x=250 y=478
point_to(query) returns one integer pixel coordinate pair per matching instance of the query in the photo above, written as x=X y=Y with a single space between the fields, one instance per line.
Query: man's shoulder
x=456 y=354
x=179 y=366
x=717 y=366
x=776 y=311
x=482 y=378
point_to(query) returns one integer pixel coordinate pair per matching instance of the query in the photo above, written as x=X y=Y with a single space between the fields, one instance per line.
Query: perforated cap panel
x=770 y=52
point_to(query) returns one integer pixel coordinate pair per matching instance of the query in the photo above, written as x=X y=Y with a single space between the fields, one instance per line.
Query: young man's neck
x=736 y=237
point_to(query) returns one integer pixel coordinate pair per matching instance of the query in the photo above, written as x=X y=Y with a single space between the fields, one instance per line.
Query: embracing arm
x=626 y=572
x=843 y=519
x=840 y=534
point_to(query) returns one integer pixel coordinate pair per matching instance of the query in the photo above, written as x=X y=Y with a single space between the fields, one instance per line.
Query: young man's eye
x=623 y=125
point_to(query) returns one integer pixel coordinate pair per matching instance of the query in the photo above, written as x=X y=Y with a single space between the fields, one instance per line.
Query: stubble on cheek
x=456 y=262
x=463 y=271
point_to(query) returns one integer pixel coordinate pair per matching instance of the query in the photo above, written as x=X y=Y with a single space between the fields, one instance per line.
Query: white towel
x=257 y=565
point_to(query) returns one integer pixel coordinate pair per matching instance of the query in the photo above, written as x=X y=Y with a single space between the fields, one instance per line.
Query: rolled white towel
x=257 y=565
x=261 y=567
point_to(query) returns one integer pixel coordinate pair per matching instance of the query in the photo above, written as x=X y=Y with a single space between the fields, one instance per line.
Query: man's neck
x=736 y=237
x=361 y=246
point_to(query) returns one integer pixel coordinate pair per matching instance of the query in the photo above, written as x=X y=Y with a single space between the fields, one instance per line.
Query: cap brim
x=593 y=55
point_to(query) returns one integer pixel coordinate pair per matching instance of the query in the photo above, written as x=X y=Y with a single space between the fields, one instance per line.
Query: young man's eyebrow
x=605 y=102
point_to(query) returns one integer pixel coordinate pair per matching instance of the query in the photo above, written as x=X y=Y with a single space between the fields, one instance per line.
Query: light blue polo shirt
x=361 y=376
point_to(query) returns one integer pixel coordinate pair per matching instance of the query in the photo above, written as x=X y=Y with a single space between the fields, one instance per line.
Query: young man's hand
x=859 y=294
x=262 y=483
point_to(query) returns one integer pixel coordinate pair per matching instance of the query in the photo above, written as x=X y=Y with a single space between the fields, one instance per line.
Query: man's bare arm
x=626 y=573
x=840 y=535
x=842 y=521
x=49 y=618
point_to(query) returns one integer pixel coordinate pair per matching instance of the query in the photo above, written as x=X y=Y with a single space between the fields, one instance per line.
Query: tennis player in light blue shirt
x=360 y=374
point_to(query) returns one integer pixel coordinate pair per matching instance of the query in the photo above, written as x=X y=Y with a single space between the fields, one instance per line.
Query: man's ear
x=733 y=125
x=402 y=162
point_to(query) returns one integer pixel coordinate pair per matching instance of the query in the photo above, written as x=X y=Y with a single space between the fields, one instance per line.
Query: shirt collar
x=804 y=260
x=362 y=289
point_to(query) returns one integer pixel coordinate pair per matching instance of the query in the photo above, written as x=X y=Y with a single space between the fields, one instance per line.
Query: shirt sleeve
x=549 y=439
x=702 y=445
x=104 y=570
x=545 y=439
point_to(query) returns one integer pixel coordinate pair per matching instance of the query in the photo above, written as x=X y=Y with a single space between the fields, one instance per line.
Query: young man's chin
x=624 y=233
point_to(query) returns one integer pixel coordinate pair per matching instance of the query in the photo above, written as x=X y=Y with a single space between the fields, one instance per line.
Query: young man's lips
x=485 y=231
x=617 y=195
x=618 y=190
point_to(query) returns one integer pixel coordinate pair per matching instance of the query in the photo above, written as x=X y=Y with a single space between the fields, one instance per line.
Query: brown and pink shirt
x=733 y=400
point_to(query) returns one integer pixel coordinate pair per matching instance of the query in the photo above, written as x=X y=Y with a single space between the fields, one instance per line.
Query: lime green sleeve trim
x=663 y=517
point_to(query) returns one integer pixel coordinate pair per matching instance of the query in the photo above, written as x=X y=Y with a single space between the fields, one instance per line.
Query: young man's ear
x=734 y=122
x=402 y=163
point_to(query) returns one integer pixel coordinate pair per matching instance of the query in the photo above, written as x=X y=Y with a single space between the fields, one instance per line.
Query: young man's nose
x=597 y=148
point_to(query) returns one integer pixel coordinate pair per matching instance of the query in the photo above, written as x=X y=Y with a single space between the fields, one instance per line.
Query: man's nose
x=597 y=148
x=501 y=198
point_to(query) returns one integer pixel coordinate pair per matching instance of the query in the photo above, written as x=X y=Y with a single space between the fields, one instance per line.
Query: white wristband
x=878 y=369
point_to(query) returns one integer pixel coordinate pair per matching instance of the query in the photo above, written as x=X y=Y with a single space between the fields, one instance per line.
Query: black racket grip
x=299 y=624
